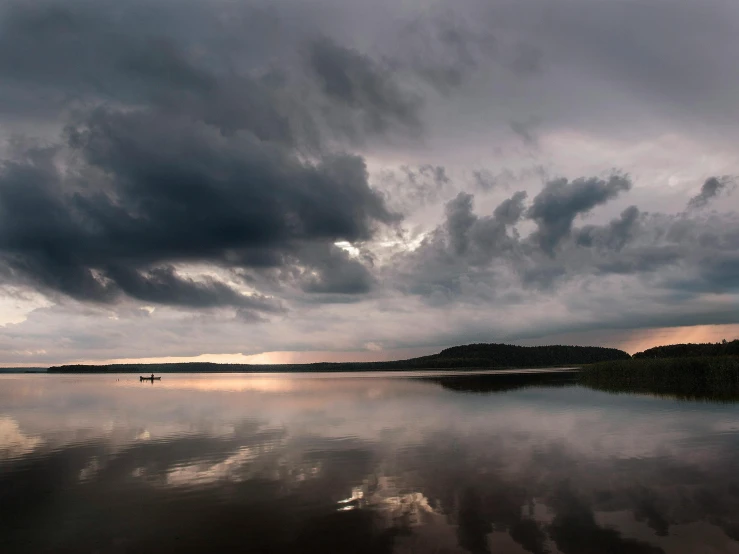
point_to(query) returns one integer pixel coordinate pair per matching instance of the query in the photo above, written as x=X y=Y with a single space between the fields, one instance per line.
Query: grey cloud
x=160 y=59
x=613 y=236
x=459 y=221
x=330 y=270
x=60 y=56
x=450 y=49
x=359 y=83
x=638 y=260
x=721 y=273
x=511 y=211
x=708 y=271
x=479 y=238
x=555 y=208
x=409 y=188
x=351 y=278
x=161 y=285
x=526 y=130
x=445 y=49
x=254 y=104
x=72 y=52
x=712 y=187
x=526 y=58
x=677 y=255
x=665 y=54
x=474 y=259
x=457 y=254
x=566 y=65
x=487 y=181
x=672 y=253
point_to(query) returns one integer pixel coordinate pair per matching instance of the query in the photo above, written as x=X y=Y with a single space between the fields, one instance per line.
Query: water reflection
x=371 y=464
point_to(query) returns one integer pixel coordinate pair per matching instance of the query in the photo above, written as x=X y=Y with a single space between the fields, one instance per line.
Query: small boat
x=149 y=378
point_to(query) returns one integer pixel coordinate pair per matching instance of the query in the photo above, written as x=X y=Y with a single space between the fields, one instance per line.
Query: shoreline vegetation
x=707 y=378
x=467 y=357
x=682 y=371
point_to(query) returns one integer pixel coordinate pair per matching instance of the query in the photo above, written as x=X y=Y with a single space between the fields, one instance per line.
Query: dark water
x=331 y=464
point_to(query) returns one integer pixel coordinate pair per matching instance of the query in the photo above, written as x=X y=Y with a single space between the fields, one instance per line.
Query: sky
x=287 y=181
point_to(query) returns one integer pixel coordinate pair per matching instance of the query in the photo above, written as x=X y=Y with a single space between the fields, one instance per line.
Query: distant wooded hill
x=692 y=350
x=482 y=356
x=528 y=356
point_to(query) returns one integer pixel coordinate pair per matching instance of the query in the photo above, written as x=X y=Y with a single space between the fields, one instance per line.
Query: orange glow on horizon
x=648 y=338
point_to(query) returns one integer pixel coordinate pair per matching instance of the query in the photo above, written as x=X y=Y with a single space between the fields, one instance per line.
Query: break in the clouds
x=210 y=177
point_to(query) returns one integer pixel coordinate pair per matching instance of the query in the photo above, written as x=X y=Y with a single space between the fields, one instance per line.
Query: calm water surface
x=375 y=464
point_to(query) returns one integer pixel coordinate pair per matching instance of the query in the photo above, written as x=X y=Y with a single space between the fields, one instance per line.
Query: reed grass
x=705 y=378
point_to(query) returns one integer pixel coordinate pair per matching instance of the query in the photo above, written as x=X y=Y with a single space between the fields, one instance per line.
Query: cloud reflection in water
x=374 y=464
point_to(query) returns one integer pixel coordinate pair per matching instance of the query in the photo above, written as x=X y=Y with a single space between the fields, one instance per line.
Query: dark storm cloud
x=199 y=151
x=710 y=189
x=171 y=190
x=555 y=208
x=245 y=191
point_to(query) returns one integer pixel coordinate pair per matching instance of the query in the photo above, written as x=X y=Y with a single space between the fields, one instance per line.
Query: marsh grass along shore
x=693 y=378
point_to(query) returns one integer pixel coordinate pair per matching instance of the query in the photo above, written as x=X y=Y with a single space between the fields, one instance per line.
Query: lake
x=362 y=463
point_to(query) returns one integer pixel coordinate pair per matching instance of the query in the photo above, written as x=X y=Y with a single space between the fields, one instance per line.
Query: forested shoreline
x=472 y=356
